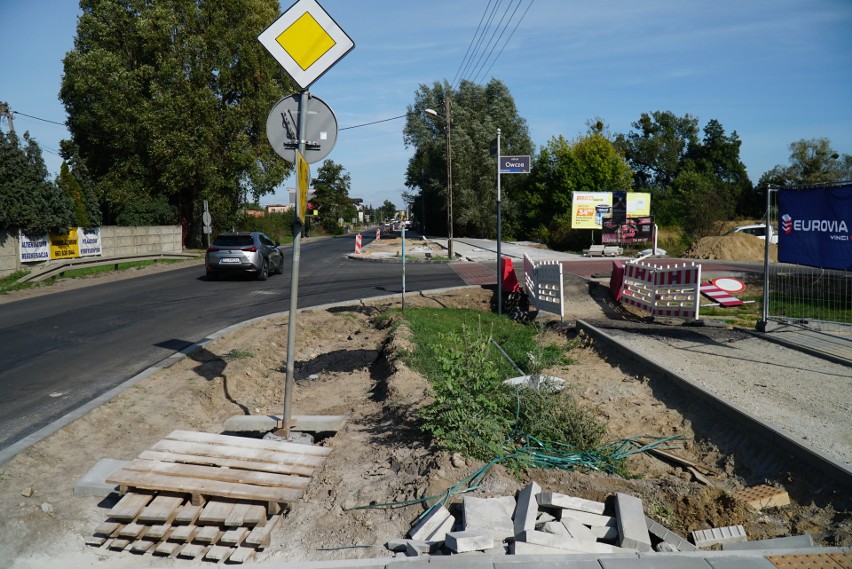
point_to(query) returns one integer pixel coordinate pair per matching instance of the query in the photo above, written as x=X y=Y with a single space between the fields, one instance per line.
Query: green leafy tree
x=167 y=103
x=331 y=195
x=476 y=111
x=387 y=211
x=591 y=163
x=29 y=200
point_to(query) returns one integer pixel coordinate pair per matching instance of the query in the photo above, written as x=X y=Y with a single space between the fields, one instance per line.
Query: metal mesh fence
x=799 y=295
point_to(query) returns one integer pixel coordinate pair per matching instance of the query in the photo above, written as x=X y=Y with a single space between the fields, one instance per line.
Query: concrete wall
x=116 y=242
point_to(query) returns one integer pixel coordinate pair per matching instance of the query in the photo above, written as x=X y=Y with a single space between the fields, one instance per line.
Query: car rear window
x=233 y=241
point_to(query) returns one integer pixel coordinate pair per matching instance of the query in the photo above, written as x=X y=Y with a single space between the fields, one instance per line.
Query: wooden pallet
x=206 y=465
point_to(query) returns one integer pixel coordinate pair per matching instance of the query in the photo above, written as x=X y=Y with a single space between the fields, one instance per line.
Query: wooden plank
x=142 y=546
x=108 y=528
x=252 y=454
x=129 y=507
x=237 y=515
x=255 y=465
x=161 y=510
x=215 y=513
x=256 y=516
x=133 y=531
x=96 y=540
x=218 y=553
x=158 y=531
x=119 y=544
x=242 y=555
x=207 y=534
x=233 y=537
x=192 y=550
x=183 y=534
x=187 y=514
x=167 y=548
x=259 y=536
x=152 y=481
x=216 y=473
x=244 y=442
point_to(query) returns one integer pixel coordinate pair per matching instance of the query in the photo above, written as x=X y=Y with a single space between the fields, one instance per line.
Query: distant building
x=255 y=212
x=278 y=208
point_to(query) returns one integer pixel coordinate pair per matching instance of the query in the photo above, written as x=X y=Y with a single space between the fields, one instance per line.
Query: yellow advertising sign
x=303 y=172
x=638 y=204
x=588 y=208
x=64 y=246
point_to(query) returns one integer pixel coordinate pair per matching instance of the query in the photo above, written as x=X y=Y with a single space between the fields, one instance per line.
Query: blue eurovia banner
x=815 y=227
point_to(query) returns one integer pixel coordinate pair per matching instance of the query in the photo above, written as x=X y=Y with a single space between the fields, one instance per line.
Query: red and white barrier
x=723 y=297
x=358 y=244
x=543 y=283
x=671 y=291
x=378 y=234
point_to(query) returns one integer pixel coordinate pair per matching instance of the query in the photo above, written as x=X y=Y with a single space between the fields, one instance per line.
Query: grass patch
x=8 y=284
x=91 y=271
x=474 y=413
x=237 y=354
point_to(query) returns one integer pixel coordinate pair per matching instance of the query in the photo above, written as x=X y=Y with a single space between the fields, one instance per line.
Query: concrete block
x=93 y=482
x=591 y=520
x=803 y=541
x=251 y=424
x=526 y=510
x=556 y=528
x=526 y=548
x=555 y=500
x=661 y=532
x=437 y=522
x=606 y=533
x=415 y=547
x=712 y=536
x=632 y=531
x=562 y=542
x=655 y=561
x=462 y=541
x=491 y=515
x=577 y=530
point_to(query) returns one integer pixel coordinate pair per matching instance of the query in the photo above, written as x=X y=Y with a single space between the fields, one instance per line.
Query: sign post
x=307 y=42
x=505 y=165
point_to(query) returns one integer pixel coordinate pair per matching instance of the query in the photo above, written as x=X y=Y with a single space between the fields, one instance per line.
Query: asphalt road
x=59 y=351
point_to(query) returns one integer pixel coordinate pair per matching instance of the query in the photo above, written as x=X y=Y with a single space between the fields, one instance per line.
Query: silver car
x=247 y=252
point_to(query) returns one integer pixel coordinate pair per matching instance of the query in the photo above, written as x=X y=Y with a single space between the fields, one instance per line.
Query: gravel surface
x=803 y=396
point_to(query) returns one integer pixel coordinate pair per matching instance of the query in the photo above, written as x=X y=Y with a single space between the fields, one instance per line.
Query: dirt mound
x=734 y=247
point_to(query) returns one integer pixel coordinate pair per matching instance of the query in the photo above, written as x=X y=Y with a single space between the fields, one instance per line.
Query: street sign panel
x=306 y=41
x=514 y=164
x=282 y=129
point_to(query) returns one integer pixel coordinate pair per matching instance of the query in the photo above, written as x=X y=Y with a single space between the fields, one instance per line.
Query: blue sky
x=773 y=70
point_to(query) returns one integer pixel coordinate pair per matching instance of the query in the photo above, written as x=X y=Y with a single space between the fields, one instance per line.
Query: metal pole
x=403 y=267
x=290 y=383
x=449 y=181
x=499 y=229
x=765 y=311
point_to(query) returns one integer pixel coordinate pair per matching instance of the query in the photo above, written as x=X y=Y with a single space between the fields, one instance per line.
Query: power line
x=476 y=33
x=38 y=118
x=374 y=122
x=510 y=36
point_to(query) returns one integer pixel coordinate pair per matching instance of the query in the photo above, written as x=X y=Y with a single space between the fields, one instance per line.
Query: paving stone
x=556 y=500
x=461 y=541
x=93 y=482
x=712 y=536
x=660 y=531
x=577 y=530
x=576 y=561
x=763 y=496
x=730 y=562
x=493 y=515
x=561 y=542
x=606 y=533
x=433 y=522
x=632 y=531
x=556 y=528
x=655 y=561
x=803 y=541
x=526 y=509
x=591 y=520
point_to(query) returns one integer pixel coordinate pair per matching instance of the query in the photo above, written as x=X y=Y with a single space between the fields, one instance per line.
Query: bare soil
x=733 y=247
x=349 y=364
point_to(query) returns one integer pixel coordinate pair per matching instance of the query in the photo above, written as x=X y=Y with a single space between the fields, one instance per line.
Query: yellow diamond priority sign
x=306 y=41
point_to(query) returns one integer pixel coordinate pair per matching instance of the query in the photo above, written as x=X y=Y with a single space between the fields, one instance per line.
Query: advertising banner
x=814 y=227
x=90 y=242
x=589 y=208
x=634 y=230
x=64 y=246
x=34 y=247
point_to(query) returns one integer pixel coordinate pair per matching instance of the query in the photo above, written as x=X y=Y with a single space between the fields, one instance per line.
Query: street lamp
x=447 y=122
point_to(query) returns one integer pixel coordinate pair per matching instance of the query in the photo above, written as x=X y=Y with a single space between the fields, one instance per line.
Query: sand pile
x=734 y=247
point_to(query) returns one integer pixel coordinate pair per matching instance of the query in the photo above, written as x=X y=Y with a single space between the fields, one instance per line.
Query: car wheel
x=263 y=274
x=212 y=276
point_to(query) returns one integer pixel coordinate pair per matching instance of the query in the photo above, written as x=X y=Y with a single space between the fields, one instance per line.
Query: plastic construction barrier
x=358 y=244
x=670 y=291
x=543 y=283
x=378 y=234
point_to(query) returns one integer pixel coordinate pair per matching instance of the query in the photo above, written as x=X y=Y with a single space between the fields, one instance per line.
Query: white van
x=758 y=230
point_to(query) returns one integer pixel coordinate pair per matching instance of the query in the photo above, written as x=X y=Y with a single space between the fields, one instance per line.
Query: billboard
x=633 y=230
x=814 y=227
x=588 y=209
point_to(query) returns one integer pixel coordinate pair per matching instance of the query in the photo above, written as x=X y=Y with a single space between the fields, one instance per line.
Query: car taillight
x=251 y=249
x=211 y=249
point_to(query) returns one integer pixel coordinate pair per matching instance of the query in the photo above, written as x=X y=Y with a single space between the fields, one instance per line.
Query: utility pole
x=5 y=112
